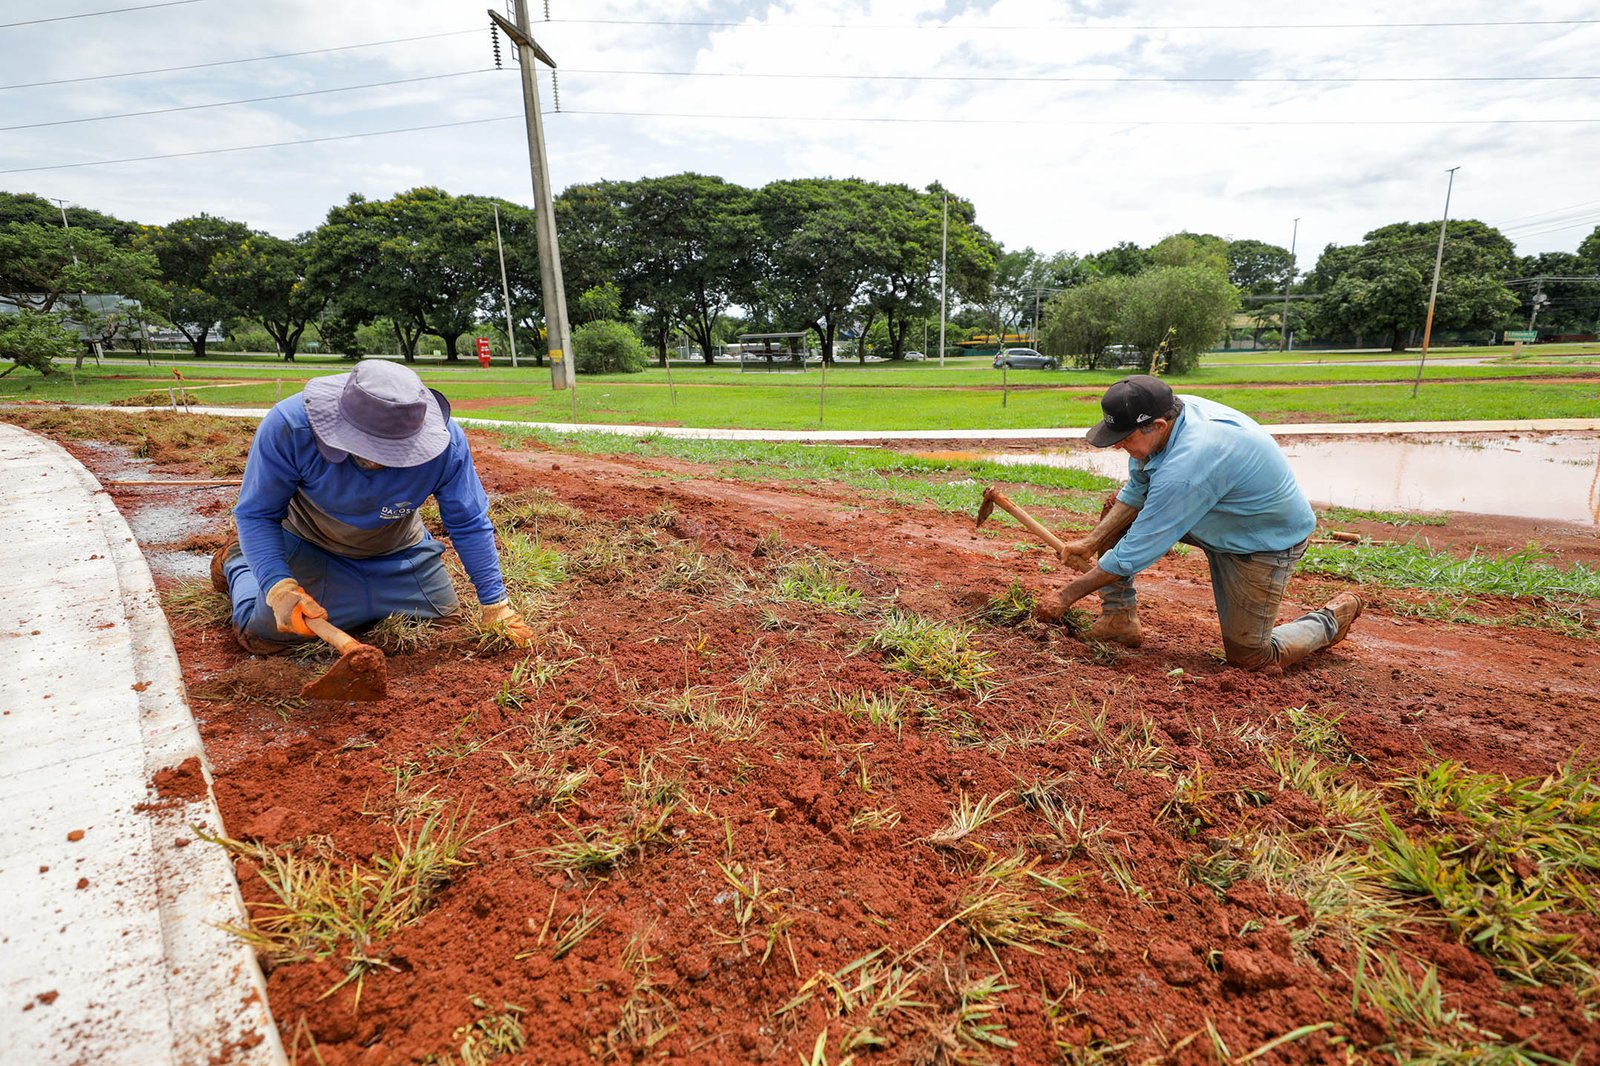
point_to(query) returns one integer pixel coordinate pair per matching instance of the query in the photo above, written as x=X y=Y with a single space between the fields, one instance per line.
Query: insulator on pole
x=494 y=38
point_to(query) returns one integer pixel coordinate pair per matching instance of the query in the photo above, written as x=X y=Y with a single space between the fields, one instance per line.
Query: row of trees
x=694 y=255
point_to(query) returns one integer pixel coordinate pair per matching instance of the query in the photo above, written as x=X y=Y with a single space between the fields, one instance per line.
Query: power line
x=1545 y=214
x=92 y=14
x=234 y=62
x=253 y=147
x=893 y=119
x=250 y=100
x=1115 y=27
x=1107 y=79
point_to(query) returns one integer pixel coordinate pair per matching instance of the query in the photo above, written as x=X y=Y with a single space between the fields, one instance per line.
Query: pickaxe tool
x=993 y=497
x=362 y=672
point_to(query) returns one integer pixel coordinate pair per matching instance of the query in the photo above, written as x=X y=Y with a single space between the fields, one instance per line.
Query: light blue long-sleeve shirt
x=1222 y=479
x=284 y=461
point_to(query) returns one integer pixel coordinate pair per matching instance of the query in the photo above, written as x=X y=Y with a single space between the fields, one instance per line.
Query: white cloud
x=1056 y=164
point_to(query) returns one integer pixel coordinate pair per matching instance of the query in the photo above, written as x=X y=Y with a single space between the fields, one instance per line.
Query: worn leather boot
x=1118 y=627
x=1345 y=608
x=218 y=559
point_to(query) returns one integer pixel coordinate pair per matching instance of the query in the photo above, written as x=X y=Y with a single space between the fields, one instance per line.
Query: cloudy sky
x=1071 y=124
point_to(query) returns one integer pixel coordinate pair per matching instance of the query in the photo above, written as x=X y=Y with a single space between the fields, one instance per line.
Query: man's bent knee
x=1249 y=656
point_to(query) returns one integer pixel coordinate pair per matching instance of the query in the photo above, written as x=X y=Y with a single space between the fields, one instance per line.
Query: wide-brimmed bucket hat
x=380 y=411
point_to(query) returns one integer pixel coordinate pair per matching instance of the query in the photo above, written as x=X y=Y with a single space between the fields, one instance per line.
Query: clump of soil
x=709 y=823
x=186 y=781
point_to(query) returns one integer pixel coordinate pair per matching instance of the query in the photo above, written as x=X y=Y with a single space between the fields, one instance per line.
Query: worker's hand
x=1077 y=555
x=291 y=606
x=505 y=617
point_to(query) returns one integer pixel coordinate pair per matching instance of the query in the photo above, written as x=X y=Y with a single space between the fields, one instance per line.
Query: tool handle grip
x=331 y=633
x=1004 y=503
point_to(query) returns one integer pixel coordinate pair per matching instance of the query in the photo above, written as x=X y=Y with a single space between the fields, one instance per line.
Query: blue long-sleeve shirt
x=285 y=468
x=1220 y=478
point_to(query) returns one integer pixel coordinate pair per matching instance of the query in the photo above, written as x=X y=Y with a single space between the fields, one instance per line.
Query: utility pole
x=505 y=289
x=93 y=344
x=1287 y=338
x=1538 y=300
x=558 y=335
x=1433 y=294
x=944 y=251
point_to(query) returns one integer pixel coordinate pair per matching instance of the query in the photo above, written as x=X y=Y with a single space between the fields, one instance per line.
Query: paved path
x=110 y=950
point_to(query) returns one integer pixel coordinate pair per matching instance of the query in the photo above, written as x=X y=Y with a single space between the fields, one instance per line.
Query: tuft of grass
x=196 y=603
x=527 y=507
x=1519 y=575
x=647 y=1016
x=527 y=566
x=599 y=848
x=935 y=650
x=318 y=912
x=556 y=782
x=1004 y=907
x=814 y=579
x=400 y=633
x=1013 y=607
x=1422 y=1029
x=873 y=818
x=886 y=710
x=1393 y=518
x=494 y=1034
x=723 y=718
x=1320 y=735
x=967 y=817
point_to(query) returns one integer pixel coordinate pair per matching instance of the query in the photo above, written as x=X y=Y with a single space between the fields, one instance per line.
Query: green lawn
x=964 y=395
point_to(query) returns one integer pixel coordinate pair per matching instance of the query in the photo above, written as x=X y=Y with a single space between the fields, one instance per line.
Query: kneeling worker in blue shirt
x=328 y=513
x=1206 y=475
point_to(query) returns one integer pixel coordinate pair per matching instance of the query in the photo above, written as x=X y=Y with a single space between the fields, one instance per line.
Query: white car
x=912 y=357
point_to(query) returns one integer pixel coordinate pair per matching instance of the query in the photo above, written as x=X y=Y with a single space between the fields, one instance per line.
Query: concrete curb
x=111 y=946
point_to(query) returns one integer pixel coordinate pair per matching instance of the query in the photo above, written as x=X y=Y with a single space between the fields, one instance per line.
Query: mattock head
x=987 y=508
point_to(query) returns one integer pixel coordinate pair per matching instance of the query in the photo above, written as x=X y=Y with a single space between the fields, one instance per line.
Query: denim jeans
x=1249 y=590
x=355 y=592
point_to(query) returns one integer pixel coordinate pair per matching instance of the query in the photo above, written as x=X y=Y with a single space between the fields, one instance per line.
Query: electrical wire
x=1086 y=79
x=1114 y=27
x=253 y=147
x=890 y=119
x=250 y=100
x=92 y=14
x=235 y=62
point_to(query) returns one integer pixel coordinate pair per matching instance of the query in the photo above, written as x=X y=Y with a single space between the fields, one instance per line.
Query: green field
x=965 y=394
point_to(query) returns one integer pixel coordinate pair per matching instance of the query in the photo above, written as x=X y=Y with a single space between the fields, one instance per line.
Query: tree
x=1194 y=303
x=911 y=229
x=1191 y=249
x=1563 y=306
x=1381 y=286
x=605 y=347
x=45 y=266
x=184 y=250
x=23 y=207
x=34 y=339
x=424 y=258
x=1082 y=321
x=1256 y=268
x=1124 y=258
x=818 y=252
x=265 y=278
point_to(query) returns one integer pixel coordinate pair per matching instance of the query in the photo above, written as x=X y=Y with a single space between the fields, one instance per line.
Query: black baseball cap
x=1130 y=403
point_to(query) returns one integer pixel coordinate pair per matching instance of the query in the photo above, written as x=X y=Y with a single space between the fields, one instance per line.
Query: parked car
x=1025 y=359
x=912 y=357
x=1123 y=354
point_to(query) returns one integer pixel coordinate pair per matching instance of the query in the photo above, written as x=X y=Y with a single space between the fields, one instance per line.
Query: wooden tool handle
x=341 y=641
x=1001 y=501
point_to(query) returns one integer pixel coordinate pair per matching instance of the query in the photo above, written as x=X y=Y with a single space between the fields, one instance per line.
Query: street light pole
x=505 y=289
x=944 y=251
x=558 y=336
x=1433 y=294
x=1287 y=339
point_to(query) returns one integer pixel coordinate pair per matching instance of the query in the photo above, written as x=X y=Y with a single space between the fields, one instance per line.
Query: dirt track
x=679 y=610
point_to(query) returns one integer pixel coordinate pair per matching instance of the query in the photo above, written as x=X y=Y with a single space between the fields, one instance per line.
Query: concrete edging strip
x=111 y=946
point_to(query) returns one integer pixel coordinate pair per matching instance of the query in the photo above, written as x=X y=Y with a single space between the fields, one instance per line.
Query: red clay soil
x=669 y=603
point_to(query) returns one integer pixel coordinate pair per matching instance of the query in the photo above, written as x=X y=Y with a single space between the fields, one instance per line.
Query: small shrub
x=606 y=348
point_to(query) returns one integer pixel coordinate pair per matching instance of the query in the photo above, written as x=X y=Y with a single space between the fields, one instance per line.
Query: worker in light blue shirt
x=1204 y=474
x=328 y=514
